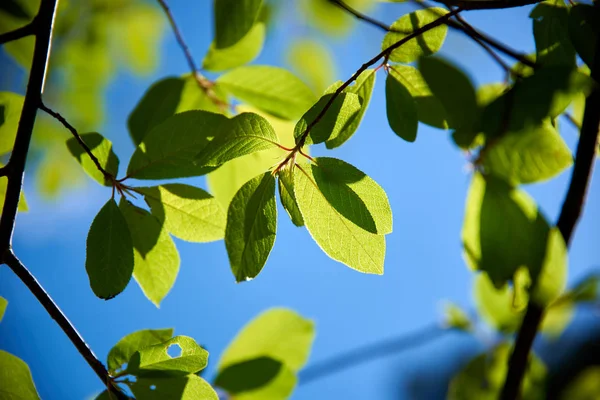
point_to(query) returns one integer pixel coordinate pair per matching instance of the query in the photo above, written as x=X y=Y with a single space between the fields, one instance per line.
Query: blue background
x=426 y=183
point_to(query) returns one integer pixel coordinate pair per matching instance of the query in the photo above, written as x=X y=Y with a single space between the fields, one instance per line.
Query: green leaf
x=503 y=231
x=109 y=252
x=251 y=227
x=328 y=17
x=550 y=30
x=193 y=98
x=483 y=377
x=244 y=134
x=248 y=375
x=102 y=149
x=188 y=212
x=426 y=44
x=533 y=155
x=287 y=196
x=240 y=53
x=545 y=94
x=584 y=30
x=401 y=109
x=121 y=352
x=313 y=62
x=169 y=149
x=158 y=103
x=233 y=20
x=339 y=237
x=11 y=105
x=280 y=334
x=456 y=318
x=156 y=260
x=429 y=108
x=15 y=379
x=155 y=358
x=338 y=117
x=271 y=89
x=453 y=89
x=363 y=87
x=3 y=305
x=587 y=290
x=585 y=385
x=496 y=306
x=3 y=185
x=190 y=387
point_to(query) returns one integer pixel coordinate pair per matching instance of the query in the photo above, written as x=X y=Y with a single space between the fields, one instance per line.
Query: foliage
x=249 y=131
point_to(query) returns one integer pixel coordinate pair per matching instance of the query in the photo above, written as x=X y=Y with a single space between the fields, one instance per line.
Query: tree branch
x=370 y=352
x=487 y=4
x=108 y=176
x=18 y=33
x=569 y=215
x=381 y=25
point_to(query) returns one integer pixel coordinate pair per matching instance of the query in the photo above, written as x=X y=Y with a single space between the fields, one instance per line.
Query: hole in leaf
x=152 y=387
x=174 y=350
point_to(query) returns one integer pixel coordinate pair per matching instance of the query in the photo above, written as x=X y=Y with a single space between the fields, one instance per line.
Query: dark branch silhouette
x=24 y=31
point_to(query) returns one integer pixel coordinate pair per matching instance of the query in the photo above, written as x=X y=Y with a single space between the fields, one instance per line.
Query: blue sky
x=426 y=183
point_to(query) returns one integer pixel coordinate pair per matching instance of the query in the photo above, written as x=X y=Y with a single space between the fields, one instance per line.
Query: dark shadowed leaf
x=127 y=346
x=551 y=33
x=313 y=62
x=109 y=252
x=251 y=227
x=248 y=375
x=234 y=19
x=102 y=149
x=401 y=109
x=190 y=387
x=584 y=30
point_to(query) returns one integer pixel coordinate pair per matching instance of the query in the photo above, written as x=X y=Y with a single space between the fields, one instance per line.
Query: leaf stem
x=570 y=213
x=19 y=33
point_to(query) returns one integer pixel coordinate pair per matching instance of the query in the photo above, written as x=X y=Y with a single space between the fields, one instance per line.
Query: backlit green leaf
x=102 y=149
x=248 y=375
x=169 y=149
x=338 y=117
x=109 y=252
x=456 y=318
x=15 y=379
x=504 y=231
x=240 y=53
x=338 y=236
x=550 y=30
x=156 y=260
x=121 y=352
x=426 y=44
x=3 y=304
x=271 y=89
x=363 y=87
x=233 y=20
x=453 y=89
x=251 y=227
x=330 y=18
x=429 y=108
x=22 y=202
x=496 y=306
x=532 y=155
x=584 y=30
x=191 y=358
x=190 y=387
x=11 y=105
x=244 y=134
x=187 y=212
x=584 y=386
x=401 y=109
x=287 y=196
x=313 y=62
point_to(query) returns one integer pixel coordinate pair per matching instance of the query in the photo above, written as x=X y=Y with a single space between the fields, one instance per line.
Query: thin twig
x=19 y=33
x=381 y=25
x=108 y=176
x=487 y=4
x=569 y=215
x=370 y=352
x=572 y=120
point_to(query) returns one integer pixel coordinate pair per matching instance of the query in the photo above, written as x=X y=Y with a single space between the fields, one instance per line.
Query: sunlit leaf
x=429 y=108
x=169 y=149
x=426 y=44
x=401 y=109
x=287 y=196
x=496 y=306
x=584 y=30
x=533 y=155
x=187 y=212
x=102 y=149
x=156 y=260
x=189 y=387
x=251 y=227
x=11 y=105
x=3 y=304
x=550 y=30
x=233 y=20
x=456 y=318
x=338 y=117
x=191 y=358
x=15 y=379
x=244 y=134
x=109 y=252
x=453 y=89
x=334 y=232
x=271 y=89
x=240 y=53
x=312 y=61
x=121 y=352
